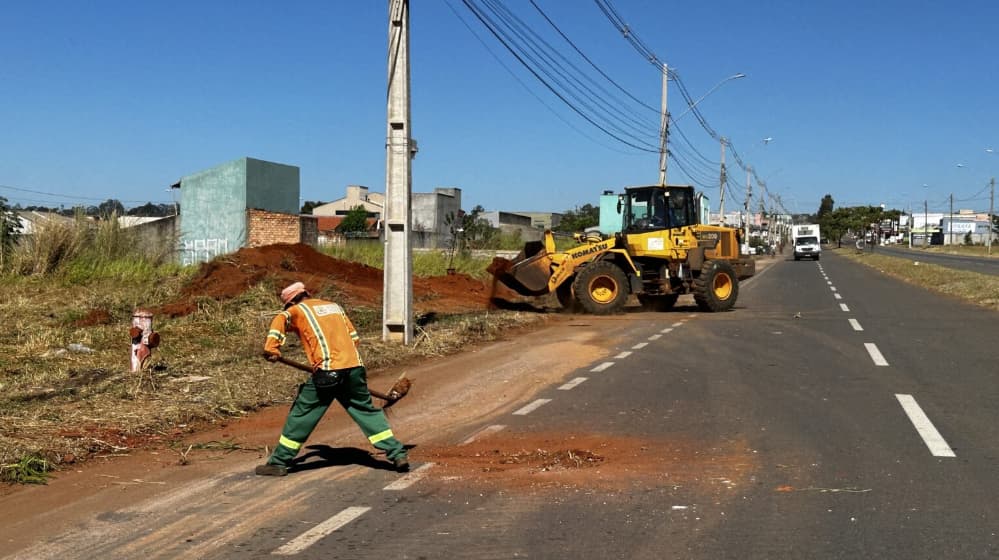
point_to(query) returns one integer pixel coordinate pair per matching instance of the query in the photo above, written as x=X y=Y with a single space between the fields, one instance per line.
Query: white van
x=805 y=239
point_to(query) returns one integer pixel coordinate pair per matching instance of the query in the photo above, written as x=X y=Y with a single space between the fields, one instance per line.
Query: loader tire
x=658 y=303
x=566 y=298
x=601 y=288
x=717 y=287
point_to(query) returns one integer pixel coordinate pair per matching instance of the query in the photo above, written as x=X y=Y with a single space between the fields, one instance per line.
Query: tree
x=309 y=205
x=825 y=207
x=110 y=207
x=580 y=218
x=355 y=220
x=152 y=210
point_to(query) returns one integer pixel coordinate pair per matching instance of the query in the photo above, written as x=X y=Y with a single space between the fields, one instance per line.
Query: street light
x=710 y=91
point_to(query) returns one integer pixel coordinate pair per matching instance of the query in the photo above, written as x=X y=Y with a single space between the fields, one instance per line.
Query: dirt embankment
x=357 y=284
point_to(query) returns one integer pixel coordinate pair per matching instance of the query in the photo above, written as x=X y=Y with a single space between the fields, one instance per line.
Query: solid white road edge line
x=602 y=367
x=532 y=407
x=308 y=538
x=572 y=384
x=872 y=349
x=484 y=431
x=931 y=437
x=409 y=479
x=844 y=307
x=856 y=325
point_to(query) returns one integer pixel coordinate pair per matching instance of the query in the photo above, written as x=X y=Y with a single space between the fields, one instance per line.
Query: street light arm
x=709 y=92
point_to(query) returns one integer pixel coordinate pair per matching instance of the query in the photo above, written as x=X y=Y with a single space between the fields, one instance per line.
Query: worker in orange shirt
x=330 y=342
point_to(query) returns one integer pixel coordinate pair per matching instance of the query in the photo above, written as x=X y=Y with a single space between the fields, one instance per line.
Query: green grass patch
x=30 y=469
x=972 y=287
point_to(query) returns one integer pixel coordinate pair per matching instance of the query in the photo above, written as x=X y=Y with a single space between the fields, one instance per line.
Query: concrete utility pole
x=926 y=223
x=397 y=307
x=749 y=199
x=664 y=129
x=721 y=184
x=992 y=197
x=950 y=221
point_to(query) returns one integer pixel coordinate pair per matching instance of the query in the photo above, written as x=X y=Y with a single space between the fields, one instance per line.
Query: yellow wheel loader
x=660 y=253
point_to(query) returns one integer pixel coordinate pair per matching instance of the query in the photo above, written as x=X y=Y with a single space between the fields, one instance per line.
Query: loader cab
x=654 y=208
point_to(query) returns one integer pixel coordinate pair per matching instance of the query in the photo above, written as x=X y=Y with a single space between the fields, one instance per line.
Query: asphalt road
x=835 y=413
x=984 y=265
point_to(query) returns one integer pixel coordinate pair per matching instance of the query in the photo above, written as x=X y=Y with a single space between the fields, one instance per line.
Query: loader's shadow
x=323 y=456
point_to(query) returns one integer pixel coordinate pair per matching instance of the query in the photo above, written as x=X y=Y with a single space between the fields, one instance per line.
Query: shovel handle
x=310 y=369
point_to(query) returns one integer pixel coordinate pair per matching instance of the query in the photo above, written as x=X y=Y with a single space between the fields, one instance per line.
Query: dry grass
x=979 y=289
x=59 y=406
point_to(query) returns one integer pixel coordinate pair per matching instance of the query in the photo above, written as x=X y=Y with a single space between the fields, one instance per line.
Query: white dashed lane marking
x=310 y=537
x=622 y=355
x=409 y=479
x=844 y=307
x=856 y=325
x=655 y=337
x=876 y=356
x=833 y=288
x=484 y=431
x=640 y=345
x=572 y=384
x=602 y=367
x=532 y=407
x=680 y=324
x=931 y=437
x=837 y=296
x=667 y=330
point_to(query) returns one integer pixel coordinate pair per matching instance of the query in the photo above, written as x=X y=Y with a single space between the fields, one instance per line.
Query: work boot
x=271 y=470
x=401 y=463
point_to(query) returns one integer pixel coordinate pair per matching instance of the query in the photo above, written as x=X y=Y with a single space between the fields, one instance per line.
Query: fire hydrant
x=144 y=339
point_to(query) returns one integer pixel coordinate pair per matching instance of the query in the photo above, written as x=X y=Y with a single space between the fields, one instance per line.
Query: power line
x=523 y=57
x=72 y=197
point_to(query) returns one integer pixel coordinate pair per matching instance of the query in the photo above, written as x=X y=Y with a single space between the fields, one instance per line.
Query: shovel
x=399 y=389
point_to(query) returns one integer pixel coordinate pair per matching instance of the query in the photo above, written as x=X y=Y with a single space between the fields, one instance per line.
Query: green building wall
x=214 y=203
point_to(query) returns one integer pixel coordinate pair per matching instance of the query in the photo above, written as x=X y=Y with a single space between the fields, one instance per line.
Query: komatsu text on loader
x=660 y=253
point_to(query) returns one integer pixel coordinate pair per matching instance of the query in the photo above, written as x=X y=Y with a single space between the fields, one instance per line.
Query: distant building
x=543 y=220
x=357 y=195
x=432 y=214
x=510 y=222
x=429 y=212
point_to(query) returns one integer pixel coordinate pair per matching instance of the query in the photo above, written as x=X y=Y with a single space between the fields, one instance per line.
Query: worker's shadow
x=323 y=456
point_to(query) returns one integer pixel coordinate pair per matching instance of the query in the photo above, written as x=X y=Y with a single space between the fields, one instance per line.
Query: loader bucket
x=528 y=273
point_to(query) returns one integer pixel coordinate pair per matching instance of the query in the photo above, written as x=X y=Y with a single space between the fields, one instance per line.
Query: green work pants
x=310 y=405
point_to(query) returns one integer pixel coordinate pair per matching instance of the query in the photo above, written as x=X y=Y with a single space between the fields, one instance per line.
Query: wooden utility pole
x=397 y=305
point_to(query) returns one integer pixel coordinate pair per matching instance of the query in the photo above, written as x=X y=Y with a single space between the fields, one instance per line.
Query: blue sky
x=866 y=101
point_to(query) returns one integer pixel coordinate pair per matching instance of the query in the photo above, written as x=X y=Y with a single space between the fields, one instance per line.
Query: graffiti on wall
x=195 y=251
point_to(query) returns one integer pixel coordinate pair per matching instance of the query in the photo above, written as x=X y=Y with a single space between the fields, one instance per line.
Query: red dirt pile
x=358 y=284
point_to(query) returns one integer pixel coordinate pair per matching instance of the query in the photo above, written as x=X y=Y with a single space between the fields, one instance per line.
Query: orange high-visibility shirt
x=328 y=337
